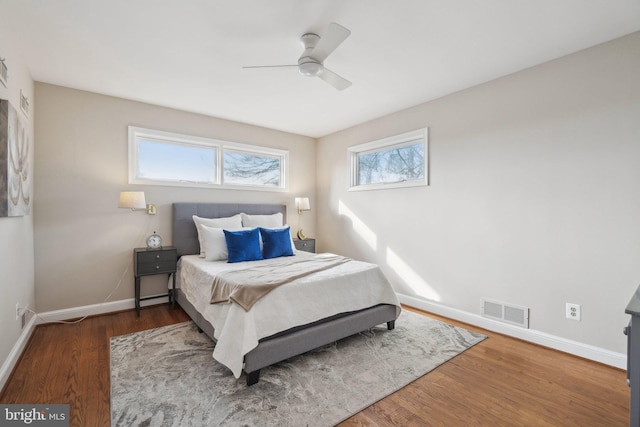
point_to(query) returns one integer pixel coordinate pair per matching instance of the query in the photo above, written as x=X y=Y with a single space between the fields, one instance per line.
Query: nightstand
x=308 y=245
x=148 y=262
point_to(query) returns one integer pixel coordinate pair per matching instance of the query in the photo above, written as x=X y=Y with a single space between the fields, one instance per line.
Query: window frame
x=385 y=144
x=218 y=146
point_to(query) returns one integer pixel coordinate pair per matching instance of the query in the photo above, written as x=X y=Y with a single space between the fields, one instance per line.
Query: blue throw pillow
x=276 y=242
x=243 y=245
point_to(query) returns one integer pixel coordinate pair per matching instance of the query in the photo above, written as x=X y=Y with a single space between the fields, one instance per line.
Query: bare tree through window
x=392 y=165
x=251 y=169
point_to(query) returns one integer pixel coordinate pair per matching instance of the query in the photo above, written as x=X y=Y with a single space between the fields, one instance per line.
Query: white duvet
x=352 y=286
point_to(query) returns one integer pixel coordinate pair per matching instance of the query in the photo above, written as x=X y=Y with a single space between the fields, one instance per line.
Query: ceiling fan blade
x=329 y=41
x=334 y=80
x=270 y=66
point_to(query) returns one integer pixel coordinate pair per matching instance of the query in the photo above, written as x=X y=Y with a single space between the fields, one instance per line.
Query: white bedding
x=348 y=287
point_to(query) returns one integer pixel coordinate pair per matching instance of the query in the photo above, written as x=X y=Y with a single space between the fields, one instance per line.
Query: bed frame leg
x=391 y=325
x=253 y=377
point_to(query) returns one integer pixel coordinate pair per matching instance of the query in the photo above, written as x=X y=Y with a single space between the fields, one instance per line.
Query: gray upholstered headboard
x=185 y=235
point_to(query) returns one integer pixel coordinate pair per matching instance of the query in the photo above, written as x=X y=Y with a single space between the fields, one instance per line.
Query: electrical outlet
x=574 y=312
x=17 y=311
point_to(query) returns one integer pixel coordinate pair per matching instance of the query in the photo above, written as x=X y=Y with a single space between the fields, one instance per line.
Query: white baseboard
x=92 y=310
x=611 y=358
x=64 y=314
x=16 y=351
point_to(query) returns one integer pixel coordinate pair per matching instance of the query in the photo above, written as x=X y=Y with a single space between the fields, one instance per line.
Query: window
x=177 y=162
x=398 y=161
x=162 y=158
x=246 y=168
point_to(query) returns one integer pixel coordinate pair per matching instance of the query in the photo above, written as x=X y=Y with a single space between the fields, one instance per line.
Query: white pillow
x=265 y=221
x=231 y=223
x=215 y=244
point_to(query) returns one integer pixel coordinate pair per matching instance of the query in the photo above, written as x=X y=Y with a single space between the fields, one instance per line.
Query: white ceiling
x=188 y=54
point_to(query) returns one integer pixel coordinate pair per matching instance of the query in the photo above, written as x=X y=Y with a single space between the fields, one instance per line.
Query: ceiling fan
x=316 y=50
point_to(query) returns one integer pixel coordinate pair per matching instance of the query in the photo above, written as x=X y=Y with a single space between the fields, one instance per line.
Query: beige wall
x=83 y=241
x=16 y=233
x=534 y=197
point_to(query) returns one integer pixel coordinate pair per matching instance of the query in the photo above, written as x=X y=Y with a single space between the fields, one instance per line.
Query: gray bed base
x=280 y=346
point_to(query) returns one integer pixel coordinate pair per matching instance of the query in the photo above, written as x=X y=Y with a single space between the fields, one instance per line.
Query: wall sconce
x=302 y=204
x=135 y=200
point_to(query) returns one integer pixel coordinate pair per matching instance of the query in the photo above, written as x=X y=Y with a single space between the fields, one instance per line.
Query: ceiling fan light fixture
x=310 y=69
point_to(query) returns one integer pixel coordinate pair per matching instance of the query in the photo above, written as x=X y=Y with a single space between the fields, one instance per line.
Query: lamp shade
x=302 y=204
x=132 y=200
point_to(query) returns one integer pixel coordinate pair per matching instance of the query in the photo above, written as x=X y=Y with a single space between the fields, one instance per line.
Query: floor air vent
x=504 y=312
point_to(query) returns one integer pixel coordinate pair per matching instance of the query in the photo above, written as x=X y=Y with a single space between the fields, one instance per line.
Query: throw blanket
x=246 y=287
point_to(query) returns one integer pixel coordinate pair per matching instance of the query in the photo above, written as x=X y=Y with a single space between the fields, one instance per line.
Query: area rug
x=167 y=376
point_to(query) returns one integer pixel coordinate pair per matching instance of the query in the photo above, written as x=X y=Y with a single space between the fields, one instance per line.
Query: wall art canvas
x=15 y=168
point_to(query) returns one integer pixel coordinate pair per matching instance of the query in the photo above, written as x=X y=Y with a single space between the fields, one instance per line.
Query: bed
x=273 y=329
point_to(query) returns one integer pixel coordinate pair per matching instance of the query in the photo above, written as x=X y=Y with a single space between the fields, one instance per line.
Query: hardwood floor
x=499 y=382
x=69 y=363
